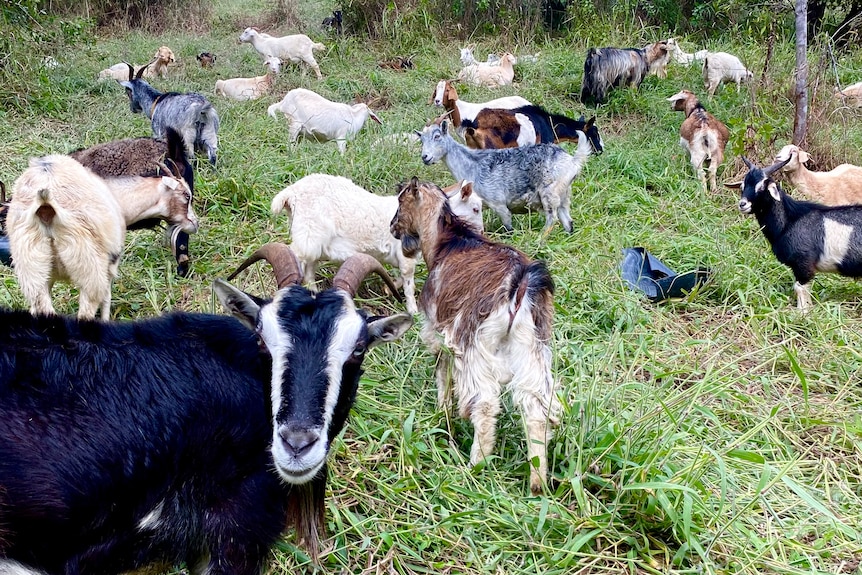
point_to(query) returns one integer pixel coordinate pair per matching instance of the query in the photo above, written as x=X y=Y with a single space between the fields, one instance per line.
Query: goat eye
x=359 y=350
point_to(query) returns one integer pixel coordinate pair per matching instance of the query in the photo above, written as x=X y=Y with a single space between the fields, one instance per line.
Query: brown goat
x=493 y=307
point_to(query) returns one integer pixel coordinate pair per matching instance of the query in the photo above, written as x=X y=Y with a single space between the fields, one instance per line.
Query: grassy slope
x=718 y=434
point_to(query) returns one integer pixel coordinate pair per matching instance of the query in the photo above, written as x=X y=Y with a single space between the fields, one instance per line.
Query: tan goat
x=838 y=187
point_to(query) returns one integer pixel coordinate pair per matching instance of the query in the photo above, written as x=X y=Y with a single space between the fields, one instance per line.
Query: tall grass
x=718 y=434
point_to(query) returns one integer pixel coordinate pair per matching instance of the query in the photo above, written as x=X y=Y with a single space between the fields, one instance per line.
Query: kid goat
x=511 y=179
x=187 y=438
x=493 y=307
x=805 y=236
x=701 y=135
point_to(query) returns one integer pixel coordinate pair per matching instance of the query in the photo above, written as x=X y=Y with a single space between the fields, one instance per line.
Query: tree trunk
x=800 y=123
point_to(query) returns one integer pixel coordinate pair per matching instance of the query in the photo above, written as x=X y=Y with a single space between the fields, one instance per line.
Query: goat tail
x=283 y=201
x=535 y=288
x=273 y=109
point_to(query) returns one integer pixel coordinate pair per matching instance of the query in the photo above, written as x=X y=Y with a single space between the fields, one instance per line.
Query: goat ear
x=773 y=191
x=466 y=189
x=444 y=126
x=386 y=329
x=238 y=303
x=170 y=182
x=803 y=157
x=124 y=84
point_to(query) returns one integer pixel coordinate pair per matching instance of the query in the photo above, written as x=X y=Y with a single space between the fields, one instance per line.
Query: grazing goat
x=206 y=59
x=144 y=157
x=189 y=439
x=851 y=95
x=310 y=114
x=243 y=89
x=190 y=114
x=331 y=218
x=721 y=67
x=488 y=74
x=445 y=95
x=680 y=57
x=511 y=179
x=838 y=187
x=493 y=307
x=333 y=22
x=606 y=68
x=293 y=48
x=807 y=237
x=526 y=125
x=64 y=223
x=701 y=135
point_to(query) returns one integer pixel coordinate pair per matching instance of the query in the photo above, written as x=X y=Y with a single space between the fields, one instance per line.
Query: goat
x=190 y=114
x=838 y=187
x=187 y=438
x=292 y=48
x=445 y=95
x=851 y=95
x=157 y=67
x=331 y=218
x=701 y=135
x=143 y=157
x=310 y=114
x=720 y=67
x=249 y=88
x=526 y=125
x=606 y=68
x=490 y=75
x=493 y=307
x=511 y=179
x=807 y=237
x=398 y=63
x=206 y=59
x=680 y=57
x=333 y=22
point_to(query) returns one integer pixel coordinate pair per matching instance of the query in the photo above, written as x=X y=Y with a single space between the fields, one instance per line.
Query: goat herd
x=190 y=438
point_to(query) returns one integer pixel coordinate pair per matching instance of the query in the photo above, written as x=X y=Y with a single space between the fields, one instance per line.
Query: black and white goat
x=511 y=179
x=526 y=125
x=805 y=236
x=606 y=68
x=493 y=307
x=143 y=157
x=186 y=438
x=190 y=114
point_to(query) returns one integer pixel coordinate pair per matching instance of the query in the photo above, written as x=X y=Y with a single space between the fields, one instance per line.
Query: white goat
x=292 y=48
x=701 y=135
x=851 y=95
x=488 y=74
x=249 y=88
x=314 y=116
x=680 y=57
x=721 y=67
x=838 y=187
x=331 y=218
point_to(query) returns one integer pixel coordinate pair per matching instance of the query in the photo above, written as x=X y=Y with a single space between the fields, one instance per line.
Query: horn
x=281 y=258
x=131 y=71
x=355 y=269
x=2 y=193
x=776 y=166
x=144 y=67
x=748 y=163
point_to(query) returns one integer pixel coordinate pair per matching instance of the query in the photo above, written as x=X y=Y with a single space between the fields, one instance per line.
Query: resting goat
x=851 y=95
x=143 y=157
x=244 y=89
x=206 y=59
x=511 y=179
x=606 y=68
x=459 y=111
x=806 y=237
x=292 y=48
x=524 y=126
x=838 y=187
x=331 y=218
x=701 y=135
x=493 y=308
x=191 y=115
x=186 y=438
x=490 y=75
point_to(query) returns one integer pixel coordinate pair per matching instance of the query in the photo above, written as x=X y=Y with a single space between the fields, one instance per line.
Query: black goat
x=190 y=114
x=187 y=438
x=141 y=157
x=333 y=22
x=805 y=236
x=606 y=68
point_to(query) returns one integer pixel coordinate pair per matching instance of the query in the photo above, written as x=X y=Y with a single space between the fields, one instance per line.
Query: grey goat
x=512 y=179
x=190 y=114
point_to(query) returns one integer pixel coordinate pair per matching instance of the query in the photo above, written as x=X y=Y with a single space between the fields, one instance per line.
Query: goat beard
x=409 y=245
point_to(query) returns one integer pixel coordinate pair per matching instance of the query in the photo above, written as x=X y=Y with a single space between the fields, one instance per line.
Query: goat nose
x=298 y=441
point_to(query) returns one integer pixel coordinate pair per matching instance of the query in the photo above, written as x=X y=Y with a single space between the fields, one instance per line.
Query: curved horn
x=131 y=71
x=144 y=67
x=355 y=269
x=281 y=258
x=748 y=163
x=776 y=166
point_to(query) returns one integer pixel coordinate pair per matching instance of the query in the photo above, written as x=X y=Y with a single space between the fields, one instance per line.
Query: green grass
x=720 y=434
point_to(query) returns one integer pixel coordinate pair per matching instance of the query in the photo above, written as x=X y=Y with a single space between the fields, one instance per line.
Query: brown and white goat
x=493 y=307
x=701 y=135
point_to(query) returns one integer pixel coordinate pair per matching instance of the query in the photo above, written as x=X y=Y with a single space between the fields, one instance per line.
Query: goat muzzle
x=355 y=269
x=281 y=258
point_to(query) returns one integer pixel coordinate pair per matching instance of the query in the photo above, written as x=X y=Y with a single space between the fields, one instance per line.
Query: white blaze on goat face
x=835 y=245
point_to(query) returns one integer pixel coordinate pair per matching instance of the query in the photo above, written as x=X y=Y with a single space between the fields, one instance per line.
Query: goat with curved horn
x=355 y=269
